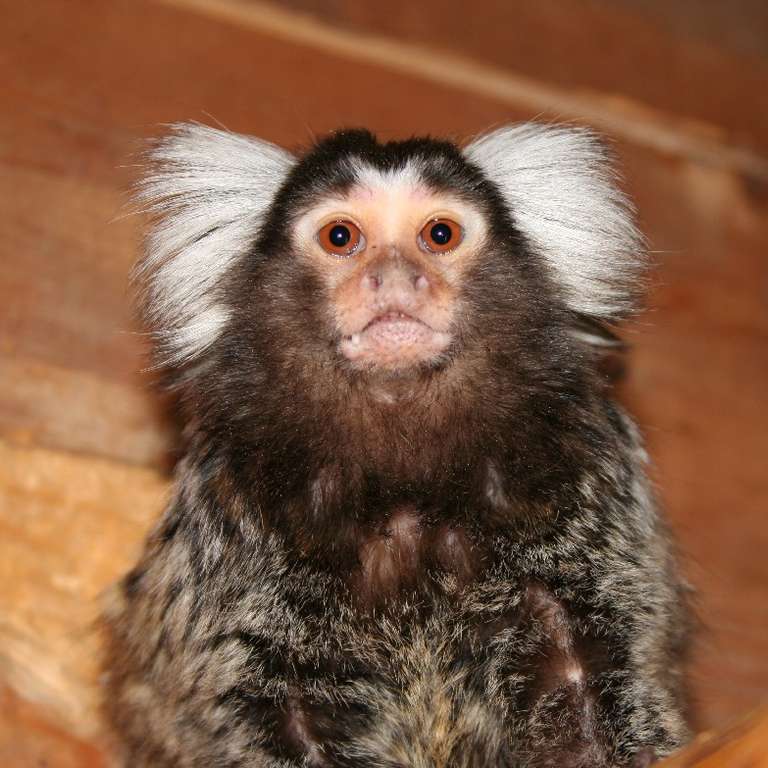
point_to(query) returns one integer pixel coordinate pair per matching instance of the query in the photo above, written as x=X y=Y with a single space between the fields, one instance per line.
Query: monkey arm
x=206 y=654
x=592 y=663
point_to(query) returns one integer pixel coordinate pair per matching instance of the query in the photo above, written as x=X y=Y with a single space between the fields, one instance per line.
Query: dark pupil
x=340 y=236
x=440 y=234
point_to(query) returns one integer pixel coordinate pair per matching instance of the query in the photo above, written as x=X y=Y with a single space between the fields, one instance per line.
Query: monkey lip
x=394 y=319
x=393 y=339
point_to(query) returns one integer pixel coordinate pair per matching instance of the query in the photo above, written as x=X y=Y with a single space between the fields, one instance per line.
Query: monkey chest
x=408 y=553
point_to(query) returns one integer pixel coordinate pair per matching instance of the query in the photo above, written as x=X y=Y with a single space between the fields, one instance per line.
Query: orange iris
x=340 y=238
x=440 y=235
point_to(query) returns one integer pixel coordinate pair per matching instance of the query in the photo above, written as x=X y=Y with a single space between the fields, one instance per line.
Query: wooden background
x=85 y=448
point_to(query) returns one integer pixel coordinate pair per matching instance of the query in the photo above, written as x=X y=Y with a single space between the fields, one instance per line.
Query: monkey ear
x=562 y=194
x=208 y=192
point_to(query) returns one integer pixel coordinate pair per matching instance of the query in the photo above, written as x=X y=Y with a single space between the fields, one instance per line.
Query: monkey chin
x=394 y=343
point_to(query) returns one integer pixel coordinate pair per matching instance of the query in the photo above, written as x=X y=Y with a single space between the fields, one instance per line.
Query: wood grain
x=610 y=49
x=742 y=745
x=70 y=526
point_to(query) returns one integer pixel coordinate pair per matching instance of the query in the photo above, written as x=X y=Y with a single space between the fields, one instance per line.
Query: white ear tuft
x=561 y=191
x=209 y=191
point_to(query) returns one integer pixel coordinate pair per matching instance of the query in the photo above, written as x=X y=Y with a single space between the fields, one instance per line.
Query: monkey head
x=362 y=262
x=391 y=254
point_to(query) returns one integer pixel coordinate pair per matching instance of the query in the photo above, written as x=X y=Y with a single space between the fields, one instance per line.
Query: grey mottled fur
x=224 y=642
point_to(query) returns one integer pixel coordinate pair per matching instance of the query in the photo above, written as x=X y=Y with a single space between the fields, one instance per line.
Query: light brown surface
x=85 y=443
x=742 y=745
x=664 y=58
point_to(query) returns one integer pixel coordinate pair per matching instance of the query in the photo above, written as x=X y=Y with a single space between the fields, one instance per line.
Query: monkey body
x=411 y=528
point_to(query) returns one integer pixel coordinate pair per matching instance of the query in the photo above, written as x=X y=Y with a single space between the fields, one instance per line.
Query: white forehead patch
x=406 y=179
x=392 y=198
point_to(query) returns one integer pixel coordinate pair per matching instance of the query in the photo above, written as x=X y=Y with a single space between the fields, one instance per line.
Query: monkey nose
x=371 y=281
x=420 y=282
x=397 y=278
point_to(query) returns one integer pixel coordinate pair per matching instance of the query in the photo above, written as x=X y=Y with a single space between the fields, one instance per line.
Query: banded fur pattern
x=455 y=563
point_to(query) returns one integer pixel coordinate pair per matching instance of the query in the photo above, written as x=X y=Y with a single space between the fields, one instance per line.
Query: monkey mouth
x=394 y=319
x=394 y=339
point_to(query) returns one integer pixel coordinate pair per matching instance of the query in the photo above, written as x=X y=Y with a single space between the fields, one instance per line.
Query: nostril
x=372 y=281
x=420 y=282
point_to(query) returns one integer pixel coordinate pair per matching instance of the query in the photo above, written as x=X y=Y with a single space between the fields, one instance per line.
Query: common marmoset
x=411 y=528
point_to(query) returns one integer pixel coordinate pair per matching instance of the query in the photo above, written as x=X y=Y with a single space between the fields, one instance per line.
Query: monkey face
x=312 y=275
x=391 y=255
x=372 y=262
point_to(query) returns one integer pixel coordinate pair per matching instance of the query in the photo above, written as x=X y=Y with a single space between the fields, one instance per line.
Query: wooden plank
x=587 y=47
x=28 y=738
x=79 y=411
x=698 y=376
x=64 y=264
x=742 y=745
x=620 y=117
x=70 y=526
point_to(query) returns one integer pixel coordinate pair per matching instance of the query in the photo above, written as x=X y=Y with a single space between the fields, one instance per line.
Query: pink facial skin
x=393 y=299
x=393 y=315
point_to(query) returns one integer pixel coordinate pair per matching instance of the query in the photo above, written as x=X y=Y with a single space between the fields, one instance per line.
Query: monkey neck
x=326 y=463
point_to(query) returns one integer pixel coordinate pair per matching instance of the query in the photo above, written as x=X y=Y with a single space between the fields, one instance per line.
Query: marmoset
x=411 y=527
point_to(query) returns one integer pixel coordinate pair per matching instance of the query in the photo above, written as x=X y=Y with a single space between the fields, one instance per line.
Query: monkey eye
x=340 y=238
x=440 y=235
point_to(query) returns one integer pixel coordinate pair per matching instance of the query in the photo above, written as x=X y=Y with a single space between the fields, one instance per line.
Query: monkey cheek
x=394 y=345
